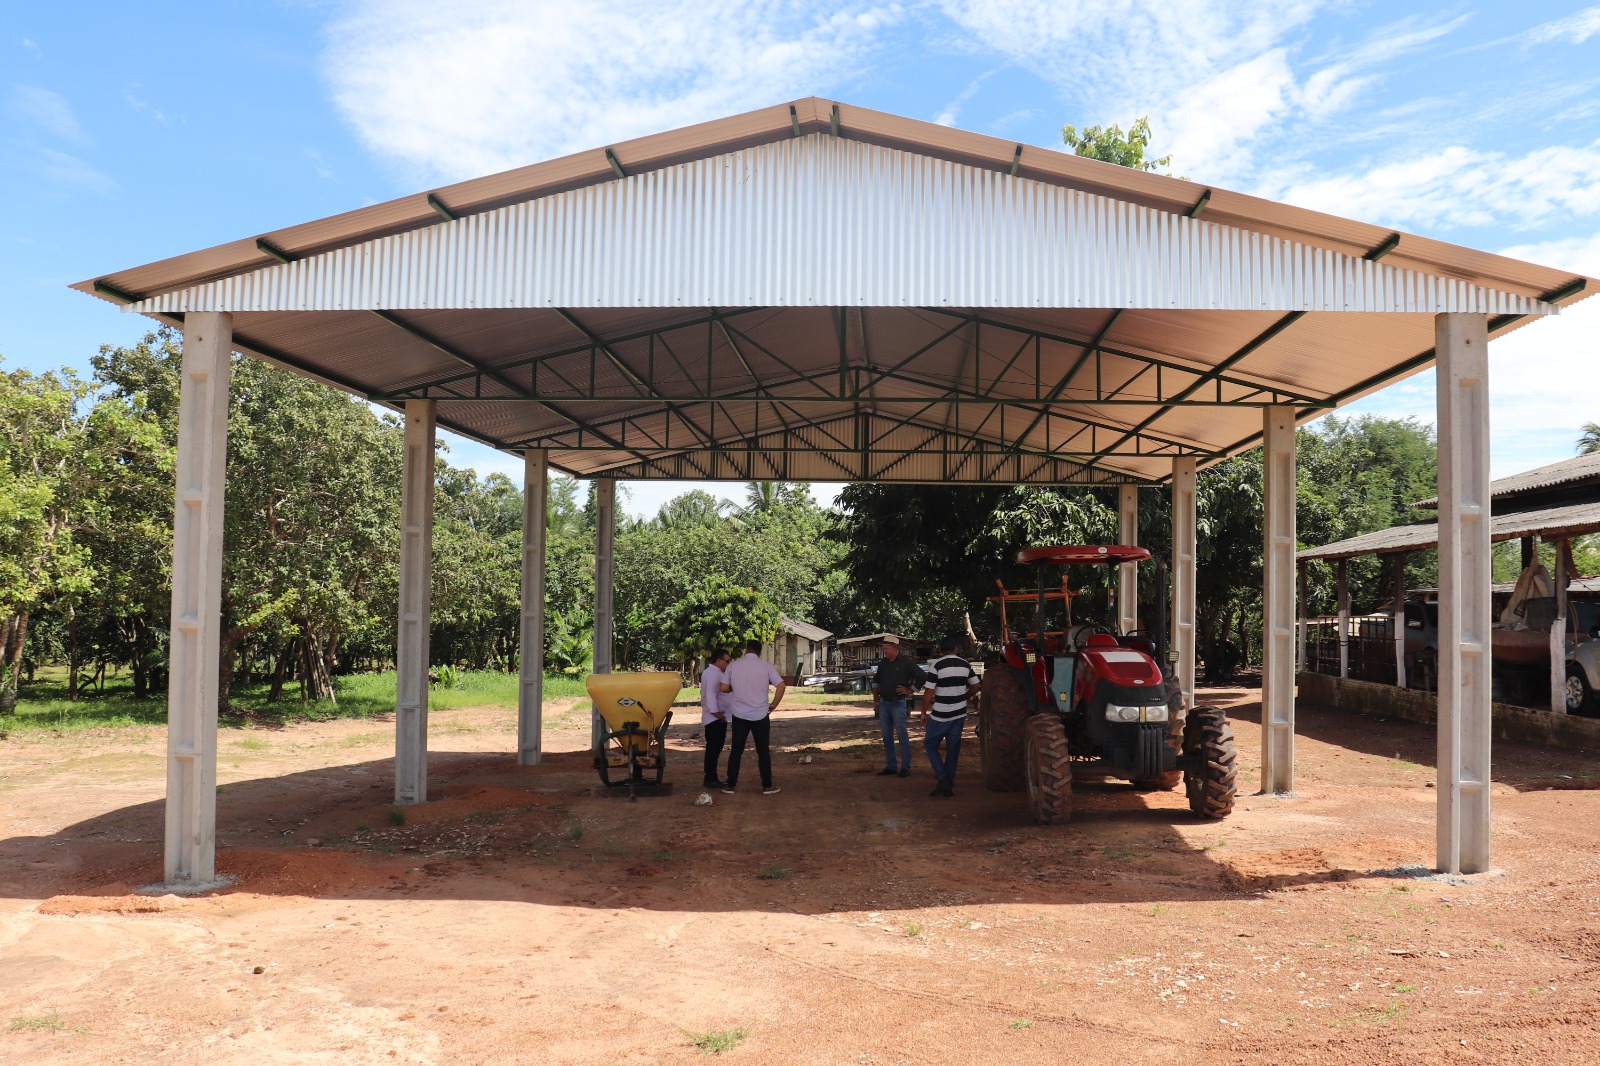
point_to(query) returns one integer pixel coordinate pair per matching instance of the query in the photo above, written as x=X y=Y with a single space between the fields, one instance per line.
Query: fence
x=1369 y=648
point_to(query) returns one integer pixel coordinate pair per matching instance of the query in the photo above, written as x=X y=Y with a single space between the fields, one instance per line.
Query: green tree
x=1110 y=145
x=718 y=614
x=1589 y=439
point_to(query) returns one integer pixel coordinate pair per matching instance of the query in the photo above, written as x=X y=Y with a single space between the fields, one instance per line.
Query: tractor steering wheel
x=1087 y=631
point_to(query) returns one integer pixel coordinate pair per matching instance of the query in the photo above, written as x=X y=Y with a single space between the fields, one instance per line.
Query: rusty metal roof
x=1550 y=523
x=1562 y=472
x=816 y=291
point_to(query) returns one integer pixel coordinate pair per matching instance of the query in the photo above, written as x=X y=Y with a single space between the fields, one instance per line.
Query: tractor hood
x=1121 y=666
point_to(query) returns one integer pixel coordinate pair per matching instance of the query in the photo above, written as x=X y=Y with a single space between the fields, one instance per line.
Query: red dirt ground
x=522 y=918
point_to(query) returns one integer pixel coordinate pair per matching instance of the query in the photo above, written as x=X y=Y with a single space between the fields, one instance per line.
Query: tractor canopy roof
x=1083 y=553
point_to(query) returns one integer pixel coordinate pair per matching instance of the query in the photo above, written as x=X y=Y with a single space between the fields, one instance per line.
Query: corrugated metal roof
x=1551 y=523
x=942 y=369
x=824 y=222
x=803 y=629
x=1561 y=472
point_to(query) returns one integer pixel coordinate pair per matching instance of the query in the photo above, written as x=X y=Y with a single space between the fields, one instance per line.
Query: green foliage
x=720 y=614
x=1110 y=145
x=443 y=676
x=1589 y=439
x=717 y=1041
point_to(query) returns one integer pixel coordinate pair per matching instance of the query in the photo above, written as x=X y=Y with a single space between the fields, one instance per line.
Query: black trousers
x=761 y=729
x=716 y=732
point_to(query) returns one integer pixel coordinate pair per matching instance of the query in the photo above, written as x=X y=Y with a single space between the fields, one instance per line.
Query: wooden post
x=1342 y=582
x=1400 y=619
x=1558 y=628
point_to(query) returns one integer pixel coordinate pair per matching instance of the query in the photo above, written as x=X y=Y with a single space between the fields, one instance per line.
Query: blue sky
x=133 y=132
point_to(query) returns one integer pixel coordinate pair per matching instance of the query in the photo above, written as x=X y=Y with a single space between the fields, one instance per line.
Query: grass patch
x=397 y=816
x=1157 y=911
x=1116 y=854
x=44 y=1023
x=251 y=744
x=717 y=1041
x=576 y=833
x=42 y=704
x=773 y=872
x=913 y=929
x=1405 y=988
x=1019 y=1025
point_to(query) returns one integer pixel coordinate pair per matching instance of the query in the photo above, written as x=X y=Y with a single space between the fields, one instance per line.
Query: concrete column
x=530 y=657
x=1183 y=574
x=1558 y=629
x=1461 y=346
x=1128 y=573
x=1277 y=601
x=1304 y=627
x=605 y=538
x=191 y=824
x=416 y=591
x=1400 y=620
x=1342 y=583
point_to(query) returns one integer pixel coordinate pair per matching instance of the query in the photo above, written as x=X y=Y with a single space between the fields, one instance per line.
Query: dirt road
x=849 y=919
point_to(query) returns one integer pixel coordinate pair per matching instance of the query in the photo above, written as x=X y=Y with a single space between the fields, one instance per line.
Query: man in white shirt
x=713 y=720
x=744 y=697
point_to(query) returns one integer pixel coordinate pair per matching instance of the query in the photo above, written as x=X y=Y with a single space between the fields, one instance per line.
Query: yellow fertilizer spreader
x=636 y=709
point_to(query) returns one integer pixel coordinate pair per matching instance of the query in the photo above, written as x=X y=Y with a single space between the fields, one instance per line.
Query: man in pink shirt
x=744 y=697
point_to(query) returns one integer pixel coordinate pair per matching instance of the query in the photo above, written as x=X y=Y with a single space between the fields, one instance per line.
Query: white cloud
x=1575 y=28
x=1543 y=378
x=459 y=90
x=62 y=172
x=952 y=111
x=48 y=111
x=1457 y=186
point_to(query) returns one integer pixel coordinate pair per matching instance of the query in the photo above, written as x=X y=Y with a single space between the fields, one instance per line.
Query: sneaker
x=938 y=789
x=727 y=790
x=715 y=784
x=770 y=790
x=948 y=790
x=887 y=771
x=905 y=772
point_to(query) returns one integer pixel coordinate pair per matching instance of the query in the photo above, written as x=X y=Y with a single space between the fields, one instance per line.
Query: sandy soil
x=522 y=918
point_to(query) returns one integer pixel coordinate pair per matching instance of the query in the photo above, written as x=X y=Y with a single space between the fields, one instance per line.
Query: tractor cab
x=1085 y=696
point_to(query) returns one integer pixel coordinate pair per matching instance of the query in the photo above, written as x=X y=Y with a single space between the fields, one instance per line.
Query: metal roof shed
x=820 y=292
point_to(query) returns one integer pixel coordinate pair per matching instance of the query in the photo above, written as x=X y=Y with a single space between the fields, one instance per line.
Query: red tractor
x=1087 y=699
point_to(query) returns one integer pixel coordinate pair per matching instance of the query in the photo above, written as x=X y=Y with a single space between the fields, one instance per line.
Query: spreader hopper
x=636 y=709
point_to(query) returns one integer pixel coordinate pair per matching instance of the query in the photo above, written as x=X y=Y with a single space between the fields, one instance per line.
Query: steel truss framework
x=686 y=400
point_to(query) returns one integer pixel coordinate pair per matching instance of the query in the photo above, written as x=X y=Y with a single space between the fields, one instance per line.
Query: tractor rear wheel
x=1001 y=714
x=1212 y=784
x=1049 y=769
x=1170 y=779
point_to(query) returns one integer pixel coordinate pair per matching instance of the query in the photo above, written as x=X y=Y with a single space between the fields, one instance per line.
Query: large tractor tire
x=1000 y=724
x=1049 y=769
x=1213 y=784
x=1166 y=782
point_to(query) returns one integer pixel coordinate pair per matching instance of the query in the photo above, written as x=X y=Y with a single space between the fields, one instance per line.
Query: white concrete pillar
x=1342 y=583
x=191 y=823
x=1558 y=629
x=1400 y=620
x=416 y=593
x=605 y=538
x=530 y=657
x=1461 y=346
x=1128 y=573
x=1183 y=574
x=1277 y=600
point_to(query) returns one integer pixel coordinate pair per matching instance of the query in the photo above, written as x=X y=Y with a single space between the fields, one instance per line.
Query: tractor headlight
x=1156 y=713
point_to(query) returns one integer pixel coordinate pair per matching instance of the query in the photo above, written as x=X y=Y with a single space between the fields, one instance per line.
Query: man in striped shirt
x=950 y=685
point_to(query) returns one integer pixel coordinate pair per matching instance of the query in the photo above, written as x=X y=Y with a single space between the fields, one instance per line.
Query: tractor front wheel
x=1001 y=714
x=1049 y=769
x=1211 y=780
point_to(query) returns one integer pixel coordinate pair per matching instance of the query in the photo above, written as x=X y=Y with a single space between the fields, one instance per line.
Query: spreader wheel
x=1049 y=769
x=1211 y=784
x=1003 y=709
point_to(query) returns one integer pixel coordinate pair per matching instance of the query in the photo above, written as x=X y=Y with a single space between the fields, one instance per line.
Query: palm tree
x=1589 y=441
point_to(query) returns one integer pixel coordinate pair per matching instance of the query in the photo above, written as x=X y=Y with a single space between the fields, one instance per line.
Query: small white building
x=799 y=648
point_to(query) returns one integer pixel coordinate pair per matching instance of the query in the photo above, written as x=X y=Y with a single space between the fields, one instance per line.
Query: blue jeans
x=949 y=732
x=892 y=720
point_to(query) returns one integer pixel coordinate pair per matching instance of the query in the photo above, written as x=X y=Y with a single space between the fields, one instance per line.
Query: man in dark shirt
x=894 y=683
